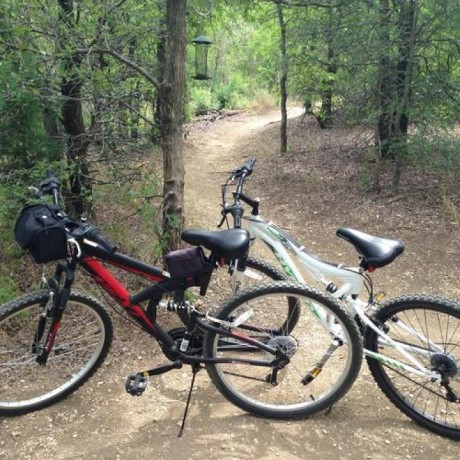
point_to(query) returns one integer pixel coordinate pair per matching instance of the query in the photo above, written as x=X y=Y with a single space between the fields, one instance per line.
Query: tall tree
x=383 y=128
x=72 y=109
x=170 y=113
x=283 y=77
x=407 y=28
x=171 y=98
x=332 y=22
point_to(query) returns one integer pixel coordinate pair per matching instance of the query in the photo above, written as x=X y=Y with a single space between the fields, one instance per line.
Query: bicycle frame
x=284 y=247
x=162 y=283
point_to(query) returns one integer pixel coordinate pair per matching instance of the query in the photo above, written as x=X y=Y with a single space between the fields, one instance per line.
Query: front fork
x=53 y=309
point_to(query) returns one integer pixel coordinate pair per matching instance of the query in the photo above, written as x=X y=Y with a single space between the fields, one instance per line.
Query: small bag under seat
x=40 y=231
x=187 y=262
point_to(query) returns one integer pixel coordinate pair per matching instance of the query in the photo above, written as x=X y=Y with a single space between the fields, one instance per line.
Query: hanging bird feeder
x=202 y=44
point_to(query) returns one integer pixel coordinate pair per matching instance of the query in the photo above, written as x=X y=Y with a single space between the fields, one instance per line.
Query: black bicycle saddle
x=376 y=252
x=231 y=244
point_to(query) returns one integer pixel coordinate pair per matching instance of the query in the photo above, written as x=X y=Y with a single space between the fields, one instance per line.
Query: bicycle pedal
x=136 y=384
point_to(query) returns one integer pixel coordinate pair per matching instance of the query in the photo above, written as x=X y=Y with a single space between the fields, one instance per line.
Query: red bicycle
x=263 y=351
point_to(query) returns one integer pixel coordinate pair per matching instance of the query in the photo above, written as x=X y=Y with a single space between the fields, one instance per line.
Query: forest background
x=92 y=90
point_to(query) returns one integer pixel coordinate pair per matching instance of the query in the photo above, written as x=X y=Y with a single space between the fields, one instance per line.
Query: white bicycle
x=412 y=343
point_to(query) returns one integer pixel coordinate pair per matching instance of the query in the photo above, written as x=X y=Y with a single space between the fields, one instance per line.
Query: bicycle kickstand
x=195 y=368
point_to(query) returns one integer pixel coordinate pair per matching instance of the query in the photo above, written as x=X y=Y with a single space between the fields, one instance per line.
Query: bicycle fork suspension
x=54 y=309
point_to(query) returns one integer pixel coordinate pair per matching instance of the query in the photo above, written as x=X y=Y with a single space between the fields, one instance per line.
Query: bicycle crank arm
x=311 y=375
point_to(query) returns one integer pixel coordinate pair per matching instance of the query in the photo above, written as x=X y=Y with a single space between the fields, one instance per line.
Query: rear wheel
x=297 y=388
x=81 y=344
x=429 y=328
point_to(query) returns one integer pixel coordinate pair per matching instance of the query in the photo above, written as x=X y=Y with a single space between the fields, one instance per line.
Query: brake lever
x=73 y=242
x=35 y=191
x=236 y=173
x=224 y=217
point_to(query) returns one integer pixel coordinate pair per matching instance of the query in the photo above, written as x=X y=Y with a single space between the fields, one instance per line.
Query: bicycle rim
x=250 y=387
x=81 y=344
x=430 y=326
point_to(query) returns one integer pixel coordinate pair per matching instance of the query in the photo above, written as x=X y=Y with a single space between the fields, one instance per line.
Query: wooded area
x=90 y=88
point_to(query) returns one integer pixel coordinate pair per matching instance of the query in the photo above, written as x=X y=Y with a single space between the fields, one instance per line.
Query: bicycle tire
x=420 y=399
x=81 y=345
x=248 y=386
x=221 y=287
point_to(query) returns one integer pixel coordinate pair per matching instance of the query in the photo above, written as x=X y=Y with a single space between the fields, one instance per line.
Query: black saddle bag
x=187 y=262
x=40 y=231
x=190 y=263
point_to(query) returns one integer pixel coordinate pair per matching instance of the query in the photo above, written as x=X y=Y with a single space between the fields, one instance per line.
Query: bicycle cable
x=424 y=385
x=113 y=306
x=369 y=286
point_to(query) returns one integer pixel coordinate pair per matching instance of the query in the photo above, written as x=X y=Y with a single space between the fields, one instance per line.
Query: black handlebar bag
x=40 y=231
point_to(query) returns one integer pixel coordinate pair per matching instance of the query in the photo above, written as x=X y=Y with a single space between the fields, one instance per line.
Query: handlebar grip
x=104 y=242
x=251 y=163
x=248 y=167
x=51 y=186
x=96 y=235
x=245 y=170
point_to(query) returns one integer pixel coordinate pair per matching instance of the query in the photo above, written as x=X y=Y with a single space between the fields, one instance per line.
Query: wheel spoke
x=436 y=326
x=295 y=331
x=80 y=345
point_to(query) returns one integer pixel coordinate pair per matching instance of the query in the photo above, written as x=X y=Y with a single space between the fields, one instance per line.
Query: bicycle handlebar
x=93 y=233
x=236 y=209
x=244 y=171
x=51 y=186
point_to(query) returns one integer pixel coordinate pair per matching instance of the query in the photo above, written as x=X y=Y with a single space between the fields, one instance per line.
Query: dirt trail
x=102 y=421
x=213 y=153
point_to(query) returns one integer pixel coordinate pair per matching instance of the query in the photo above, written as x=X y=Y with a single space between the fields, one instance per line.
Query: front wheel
x=324 y=357
x=81 y=345
x=429 y=329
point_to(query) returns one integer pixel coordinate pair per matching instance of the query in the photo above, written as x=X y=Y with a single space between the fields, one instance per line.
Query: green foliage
x=23 y=139
x=201 y=99
x=14 y=194
x=332 y=46
x=243 y=58
x=439 y=151
x=137 y=203
x=8 y=289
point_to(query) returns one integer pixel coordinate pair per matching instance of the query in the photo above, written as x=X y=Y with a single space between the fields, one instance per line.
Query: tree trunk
x=50 y=122
x=407 y=33
x=72 y=118
x=384 y=94
x=283 y=80
x=384 y=87
x=171 y=104
x=325 y=116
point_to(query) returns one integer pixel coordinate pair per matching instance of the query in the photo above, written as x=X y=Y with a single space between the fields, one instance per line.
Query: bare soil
x=317 y=188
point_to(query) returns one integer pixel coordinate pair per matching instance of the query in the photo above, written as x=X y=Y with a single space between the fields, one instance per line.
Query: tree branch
x=119 y=57
x=138 y=113
x=306 y=3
